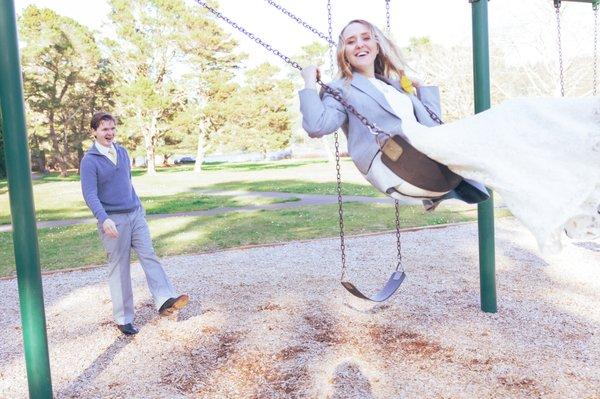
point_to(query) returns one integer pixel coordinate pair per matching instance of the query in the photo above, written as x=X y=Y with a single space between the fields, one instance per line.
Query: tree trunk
x=203 y=135
x=64 y=163
x=149 y=136
x=80 y=154
x=200 y=151
x=38 y=154
x=42 y=161
x=56 y=146
x=150 y=161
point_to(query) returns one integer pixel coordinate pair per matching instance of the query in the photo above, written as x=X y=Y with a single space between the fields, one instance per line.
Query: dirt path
x=274 y=322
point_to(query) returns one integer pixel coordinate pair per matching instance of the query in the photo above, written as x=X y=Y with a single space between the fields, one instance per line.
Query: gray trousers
x=133 y=233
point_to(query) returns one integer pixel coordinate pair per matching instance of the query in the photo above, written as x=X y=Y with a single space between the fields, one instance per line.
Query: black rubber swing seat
x=387 y=291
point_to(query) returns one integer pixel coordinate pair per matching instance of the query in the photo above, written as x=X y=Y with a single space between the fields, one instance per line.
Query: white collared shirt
x=400 y=102
x=104 y=151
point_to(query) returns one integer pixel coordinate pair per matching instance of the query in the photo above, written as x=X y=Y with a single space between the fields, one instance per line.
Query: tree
x=448 y=67
x=512 y=74
x=214 y=110
x=65 y=77
x=262 y=122
x=38 y=139
x=523 y=57
x=165 y=49
x=315 y=53
x=147 y=54
x=209 y=53
x=219 y=110
x=527 y=38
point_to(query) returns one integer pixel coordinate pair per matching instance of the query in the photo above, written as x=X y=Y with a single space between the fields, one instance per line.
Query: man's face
x=105 y=133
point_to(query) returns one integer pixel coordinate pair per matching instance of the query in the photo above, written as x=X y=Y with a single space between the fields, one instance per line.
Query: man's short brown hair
x=99 y=117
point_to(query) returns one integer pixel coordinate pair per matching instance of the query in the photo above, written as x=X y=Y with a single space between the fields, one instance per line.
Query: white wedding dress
x=542 y=155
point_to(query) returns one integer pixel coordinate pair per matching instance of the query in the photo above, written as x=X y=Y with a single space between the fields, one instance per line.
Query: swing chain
x=301 y=22
x=372 y=127
x=338 y=96
x=433 y=115
x=399 y=265
x=595 y=87
x=334 y=93
x=560 y=53
x=330 y=37
x=337 y=153
x=250 y=35
x=387 y=17
x=340 y=205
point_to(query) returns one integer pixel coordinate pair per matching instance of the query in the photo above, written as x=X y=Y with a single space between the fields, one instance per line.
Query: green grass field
x=175 y=190
x=75 y=246
x=178 y=189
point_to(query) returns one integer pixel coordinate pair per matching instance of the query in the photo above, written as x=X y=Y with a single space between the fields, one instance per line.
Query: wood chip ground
x=274 y=322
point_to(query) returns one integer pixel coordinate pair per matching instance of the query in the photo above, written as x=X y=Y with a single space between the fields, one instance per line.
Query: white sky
x=512 y=22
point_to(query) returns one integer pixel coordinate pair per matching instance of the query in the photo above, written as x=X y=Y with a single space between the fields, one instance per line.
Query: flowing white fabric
x=542 y=155
x=379 y=175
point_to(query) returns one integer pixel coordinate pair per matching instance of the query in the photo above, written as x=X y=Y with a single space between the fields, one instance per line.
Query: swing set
x=401 y=157
x=397 y=153
x=21 y=193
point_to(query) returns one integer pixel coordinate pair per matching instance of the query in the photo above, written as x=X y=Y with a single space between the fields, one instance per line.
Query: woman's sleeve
x=430 y=96
x=320 y=116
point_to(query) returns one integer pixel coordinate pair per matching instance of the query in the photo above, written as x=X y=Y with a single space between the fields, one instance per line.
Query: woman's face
x=360 y=48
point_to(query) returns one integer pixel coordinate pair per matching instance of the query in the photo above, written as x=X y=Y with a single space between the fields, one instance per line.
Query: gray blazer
x=322 y=114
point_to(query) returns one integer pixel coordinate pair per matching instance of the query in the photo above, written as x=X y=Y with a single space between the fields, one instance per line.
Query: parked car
x=184 y=159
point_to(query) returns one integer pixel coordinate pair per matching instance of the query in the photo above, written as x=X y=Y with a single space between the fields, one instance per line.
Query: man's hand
x=110 y=228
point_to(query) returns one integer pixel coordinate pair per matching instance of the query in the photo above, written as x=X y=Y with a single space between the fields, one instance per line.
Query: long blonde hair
x=388 y=63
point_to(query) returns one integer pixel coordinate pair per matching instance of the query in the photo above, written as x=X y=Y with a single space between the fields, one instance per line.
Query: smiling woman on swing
x=542 y=155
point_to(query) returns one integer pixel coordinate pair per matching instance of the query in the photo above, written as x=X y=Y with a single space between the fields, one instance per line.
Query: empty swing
x=397 y=154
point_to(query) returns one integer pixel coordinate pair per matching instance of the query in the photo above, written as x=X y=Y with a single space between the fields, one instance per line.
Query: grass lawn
x=175 y=189
x=181 y=202
x=75 y=246
x=179 y=189
x=301 y=187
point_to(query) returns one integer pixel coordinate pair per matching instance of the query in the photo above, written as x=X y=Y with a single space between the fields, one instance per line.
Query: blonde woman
x=541 y=155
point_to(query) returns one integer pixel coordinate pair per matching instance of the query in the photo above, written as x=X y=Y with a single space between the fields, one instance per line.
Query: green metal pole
x=481 y=73
x=25 y=238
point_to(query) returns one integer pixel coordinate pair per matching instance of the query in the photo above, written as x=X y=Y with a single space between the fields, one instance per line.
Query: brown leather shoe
x=173 y=304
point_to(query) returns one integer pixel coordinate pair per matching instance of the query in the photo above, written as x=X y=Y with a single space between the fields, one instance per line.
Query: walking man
x=109 y=193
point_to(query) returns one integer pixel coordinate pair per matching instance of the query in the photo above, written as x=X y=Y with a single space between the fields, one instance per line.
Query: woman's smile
x=360 y=48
